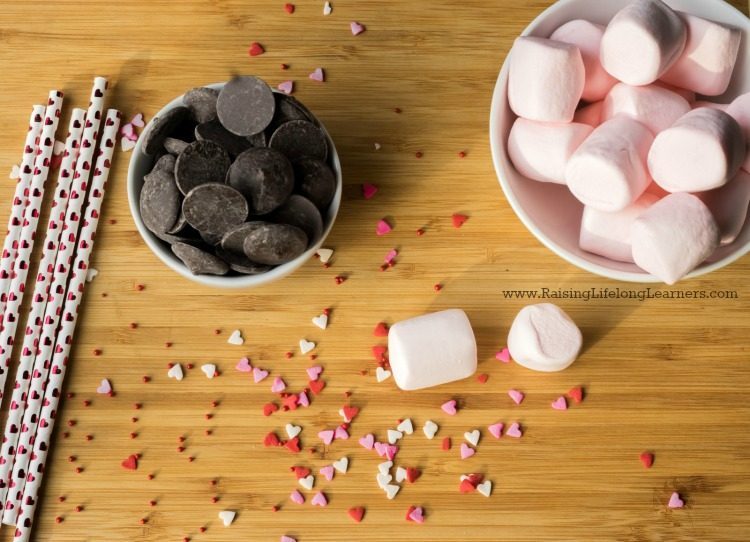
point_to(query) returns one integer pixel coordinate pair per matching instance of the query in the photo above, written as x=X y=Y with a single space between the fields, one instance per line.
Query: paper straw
x=65 y=337
x=55 y=300
x=19 y=201
x=39 y=299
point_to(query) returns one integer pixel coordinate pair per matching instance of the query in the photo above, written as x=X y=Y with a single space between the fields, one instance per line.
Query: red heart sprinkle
x=271 y=440
x=412 y=474
x=446 y=444
x=131 y=463
x=458 y=220
x=576 y=394
x=289 y=8
x=316 y=386
x=379 y=351
x=466 y=486
x=356 y=513
x=293 y=445
x=482 y=378
x=256 y=49
x=270 y=408
x=381 y=330
x=647 y=458
x=350 y=412
x=300 y=472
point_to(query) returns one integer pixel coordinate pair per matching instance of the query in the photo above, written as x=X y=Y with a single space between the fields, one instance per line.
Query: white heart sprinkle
x=383 y=480
x=307 y=482
x=321 y=321
x=394 y=436
x=126 y=144
x=91 y=274
x=15 y=172
x=391 y=490
x=324 y=254
x=175 y=372
x=430 y=429
x=377 y=146
x=292 y=430
x=209 y=369
x=472 y=436
x=327 y=9
x=406 y=426
x=306 y=346
x=385 y=467
x=58 y=147
x=227 y=516
x=236 y=338
x=342 y=465
x=400 y=474
x=381 y=374
x=485 y=488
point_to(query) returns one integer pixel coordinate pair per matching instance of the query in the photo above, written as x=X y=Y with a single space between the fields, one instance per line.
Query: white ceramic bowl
x=550 y=211
x=141 y=164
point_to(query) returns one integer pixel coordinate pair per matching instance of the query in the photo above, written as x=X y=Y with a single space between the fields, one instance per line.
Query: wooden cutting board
x=666 y=375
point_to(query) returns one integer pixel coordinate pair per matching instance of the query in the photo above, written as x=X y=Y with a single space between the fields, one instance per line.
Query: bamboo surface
x=669 y=376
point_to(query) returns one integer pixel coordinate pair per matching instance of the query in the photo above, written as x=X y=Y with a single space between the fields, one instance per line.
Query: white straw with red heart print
x=39 y=299
x=19 y=200
x=55 y=300
x=65 y=336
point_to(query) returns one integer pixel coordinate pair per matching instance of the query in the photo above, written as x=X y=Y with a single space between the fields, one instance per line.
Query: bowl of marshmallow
x=620 y=133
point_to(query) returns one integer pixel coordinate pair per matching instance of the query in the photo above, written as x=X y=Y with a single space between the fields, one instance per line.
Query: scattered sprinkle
x=675 y=501
x=430 y=429
x=356 y=28
x=324 y=254
x=209 y=369
x=105 y=388
x=449 y=407
x=516 y=395
x=576 y=394
x=458 y=220
x=287 y=87
x=369 y=190
x=236 y=338
x=560 y=403
x=383 y=227
x=321 y=321
x=647 y=458
x=503 y=355
x=176 y=372
x=382 y=374
x=256 y=49
x=318 y=75
x=227 y=517
x=327 y=9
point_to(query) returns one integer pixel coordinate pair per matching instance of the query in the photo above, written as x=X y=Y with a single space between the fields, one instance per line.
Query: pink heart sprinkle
x=417 y=515
x=357 y=28
x=369 y=190
x=390 y=451
x=383 y=227
x=104 y=388
x=391 y=256
x=127 y=130
x=380 y=448
x=467 y=451
x=367 y=441
x=302 y=399
x=297 y=497
x=138 y=121
x=675 y=501
x=496 y=429
x=319 y=499
x=449 y=407
x=318 y=75
x=314 y=372
x=244 y=366
x=341 y=433
x=259 y=374
x=278 y=385
x=326 y=436
x=327 y=472
x=287 y=87
x=560 y=403
x=285 y=538
x=503 y=355
x=514 y=430
x=517 y=396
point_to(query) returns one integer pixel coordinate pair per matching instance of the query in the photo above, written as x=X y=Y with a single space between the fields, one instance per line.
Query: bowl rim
x=160 y=249
x=498 y=151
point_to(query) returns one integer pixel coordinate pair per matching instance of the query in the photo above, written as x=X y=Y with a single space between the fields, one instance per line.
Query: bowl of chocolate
x=234 y=184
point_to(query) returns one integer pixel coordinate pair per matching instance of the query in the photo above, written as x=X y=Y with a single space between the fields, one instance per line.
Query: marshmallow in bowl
x=608 y=171
x=701 y=151
x=739 y=109
x=590 y=114
x=545 y=79
x=432 y=349
x=544 y=338
x=587 y=36
x=707 y=62
x=541 y=150
x=642 y=41
x=729 y=205
x=674 y=236
x=608 y=234
x=689 y=95
x=653 y=106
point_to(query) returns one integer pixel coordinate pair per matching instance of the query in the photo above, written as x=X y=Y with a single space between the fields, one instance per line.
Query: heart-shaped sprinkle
x=560 y=403
x=369 y=190
x=289 y=8
x=458 y=220
x=514 y=430
x=412 y=474
x=485 y=488
x=175 y=372
x=306 y=346
x=449 y=407
x=285 y=538
x=292 y=430
x=227 y=517
x=466 y=486
x=307 y=482
x=236 y=338
x=91 y=274
x=328 y=472
x=400 y=474
x=209 y=369
x=416 y=514
x=381 y=448
x=496 y=429
x=259 y=374
x=391 y=490
x=314 y=372
x=256 y=49
x=278 y=385
x=472 y=437
x=390 y=256
x=297 y=497
x=318 y=75
x=321 y=321
x=383 y=479
x=327 y=10
x=341 y=433
x=394 y=436
x=138 y=121
x=385 y=467
x=270 y=408
x=324 y=254
x=302 y=399
x=367 y=441
x=406 y=426
x=430 y=429
x=104 y=388
x=503 y=355
x=342 y=465
x=126 y=144
x=647 y=458
x=131 y=463
x=271 y=439
x=300 y=472
x=15 y=172
x=293 y=445
x=327 y=436
x=576 y=394
x=675 y=501
x=382 y=374
x=319 y=499
x=383 y=227
x=516 y=395
x=358 y=512
x=316 y=386
x=244 y=366
x=287 y=87
x=348 y=413
x=356 y=28
x=467 y=451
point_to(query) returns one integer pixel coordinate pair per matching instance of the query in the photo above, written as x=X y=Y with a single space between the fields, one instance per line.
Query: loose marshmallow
x=432 y=349
x=642 y=41
x=729 y=205
x=608 y=171
x=701 y=151
x=689 y=95
x=545 y=79
x=674 y=236
x=544 y=338
x=590 y=114
x=608 y=234
x=739 y=109
x=541 y=150
x=707 y=62
x=587 y=37
x=653 y=106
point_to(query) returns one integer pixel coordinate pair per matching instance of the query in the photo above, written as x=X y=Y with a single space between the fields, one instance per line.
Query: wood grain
x=669 y=376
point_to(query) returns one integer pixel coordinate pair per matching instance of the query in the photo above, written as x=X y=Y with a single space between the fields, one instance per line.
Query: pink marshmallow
x=689 y=95
x=674 y=236
x=642 y=41
x=587 y=37
x=710 y=105
x=655 y=107
x=541 y=150
x=707 y=62
x=545 y=79
x=729 y=205
x=701 y=151
x=739 y=109
x=590 y=114
x=608 y=234
x=608 y=171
